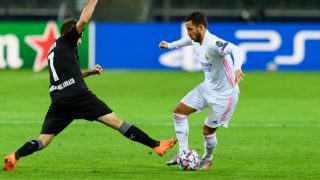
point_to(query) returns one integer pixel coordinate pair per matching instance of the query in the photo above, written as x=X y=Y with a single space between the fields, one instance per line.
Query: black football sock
x=135 y=134
x=28 y=148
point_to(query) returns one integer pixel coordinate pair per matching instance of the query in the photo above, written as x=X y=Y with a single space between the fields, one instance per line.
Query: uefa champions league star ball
x=188 y=159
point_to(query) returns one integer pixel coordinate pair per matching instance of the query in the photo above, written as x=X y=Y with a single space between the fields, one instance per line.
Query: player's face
x=193 y=31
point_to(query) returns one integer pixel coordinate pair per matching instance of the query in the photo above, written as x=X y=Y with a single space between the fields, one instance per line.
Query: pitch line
x=270 y=125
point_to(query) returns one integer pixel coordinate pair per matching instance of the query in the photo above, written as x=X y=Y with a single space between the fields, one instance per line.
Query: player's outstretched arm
x=86 y=15
x=95 y=70
x=186 y=41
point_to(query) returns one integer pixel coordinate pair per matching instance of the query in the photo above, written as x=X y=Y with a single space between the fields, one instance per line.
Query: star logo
x=42 y=43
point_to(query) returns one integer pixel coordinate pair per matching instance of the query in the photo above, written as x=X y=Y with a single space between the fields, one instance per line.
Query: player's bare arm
x=163 y=45
x=97 y=69
x=86 y=15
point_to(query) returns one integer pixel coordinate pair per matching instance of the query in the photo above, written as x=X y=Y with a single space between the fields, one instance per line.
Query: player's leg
x=135 y=134
x=130 y=131
x=55 y=121
x=34 y=145
x=191 y=103
x=220 y=115
x=28 y=148
x=92 y=108
x=181 y=113
x=181 y=125
x=210 y=142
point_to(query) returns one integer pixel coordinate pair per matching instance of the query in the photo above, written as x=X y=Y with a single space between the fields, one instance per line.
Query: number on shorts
x=53 y=70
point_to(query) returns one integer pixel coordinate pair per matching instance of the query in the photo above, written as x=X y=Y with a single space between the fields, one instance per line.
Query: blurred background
x=164 y=10
x=274 y=34
x=273 y=134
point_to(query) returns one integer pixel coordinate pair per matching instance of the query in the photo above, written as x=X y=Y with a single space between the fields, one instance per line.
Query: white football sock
x=182 y=130
x=210 y=142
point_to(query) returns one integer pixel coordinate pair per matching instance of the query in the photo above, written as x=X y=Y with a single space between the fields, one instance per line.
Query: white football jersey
x=214 y=54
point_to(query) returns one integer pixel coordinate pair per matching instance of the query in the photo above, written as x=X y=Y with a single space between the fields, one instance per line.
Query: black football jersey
x=65 y=74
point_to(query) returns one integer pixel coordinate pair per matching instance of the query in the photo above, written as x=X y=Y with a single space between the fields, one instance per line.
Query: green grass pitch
x=274 y=133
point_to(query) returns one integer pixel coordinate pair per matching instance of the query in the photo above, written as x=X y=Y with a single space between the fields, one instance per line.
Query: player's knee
x=180 y=110
x=44 y=140
x=184 y=109
x=45 y=144
x=111 y=120
x=208 y=130
x=177 y=110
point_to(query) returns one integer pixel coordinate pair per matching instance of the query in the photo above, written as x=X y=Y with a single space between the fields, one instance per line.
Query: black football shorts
x=62 y=112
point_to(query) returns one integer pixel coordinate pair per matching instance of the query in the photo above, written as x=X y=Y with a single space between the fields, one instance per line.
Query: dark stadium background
x=274 y=133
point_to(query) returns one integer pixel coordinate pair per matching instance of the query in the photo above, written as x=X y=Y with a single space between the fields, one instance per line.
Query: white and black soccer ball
x=188 y=159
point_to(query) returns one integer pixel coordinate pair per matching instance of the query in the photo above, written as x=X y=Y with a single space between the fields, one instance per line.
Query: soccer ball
x=188 y=159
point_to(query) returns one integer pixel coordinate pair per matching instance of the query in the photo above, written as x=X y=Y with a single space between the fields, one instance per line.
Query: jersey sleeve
x=222 y=48
x=72 y=36
x=186 y=41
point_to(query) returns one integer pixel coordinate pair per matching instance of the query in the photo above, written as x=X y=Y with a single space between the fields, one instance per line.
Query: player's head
x=67 y=24
x=196 y=24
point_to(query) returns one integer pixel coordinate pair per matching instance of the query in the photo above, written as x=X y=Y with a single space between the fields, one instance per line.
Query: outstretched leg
x=135 y=134
x=28 y=148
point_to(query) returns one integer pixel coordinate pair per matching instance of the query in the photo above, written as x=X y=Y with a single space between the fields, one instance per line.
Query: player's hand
x=163 y=45
x=239 y=75
x=97 y=69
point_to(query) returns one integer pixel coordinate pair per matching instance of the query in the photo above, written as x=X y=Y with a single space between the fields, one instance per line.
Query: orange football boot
x=164 y=146
x=10 y=161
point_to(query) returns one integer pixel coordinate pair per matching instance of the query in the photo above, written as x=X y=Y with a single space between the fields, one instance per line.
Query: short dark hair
x=67 y=24
x=197 y=18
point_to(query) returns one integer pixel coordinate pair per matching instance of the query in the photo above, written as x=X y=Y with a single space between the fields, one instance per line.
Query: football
x=188 y=159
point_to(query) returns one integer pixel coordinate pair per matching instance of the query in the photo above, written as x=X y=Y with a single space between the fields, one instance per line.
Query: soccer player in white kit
x=219 y=91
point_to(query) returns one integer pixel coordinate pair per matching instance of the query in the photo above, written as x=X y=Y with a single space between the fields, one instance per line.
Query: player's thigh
x=57 y=119
x=111 y=120
x=193 y=101
x=93 y=108
x=221 y=112
x=90 y=108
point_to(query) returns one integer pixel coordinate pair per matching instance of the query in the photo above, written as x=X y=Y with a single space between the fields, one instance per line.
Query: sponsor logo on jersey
x=62 y=85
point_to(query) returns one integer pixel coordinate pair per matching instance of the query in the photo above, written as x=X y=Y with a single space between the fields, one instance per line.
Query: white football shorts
x=221 y=109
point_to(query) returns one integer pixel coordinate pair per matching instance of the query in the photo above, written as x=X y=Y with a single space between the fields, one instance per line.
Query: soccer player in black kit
x=71 y=99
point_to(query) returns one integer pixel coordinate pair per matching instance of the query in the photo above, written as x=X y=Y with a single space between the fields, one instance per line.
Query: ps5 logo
x=274 y=43
x=251 y=41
